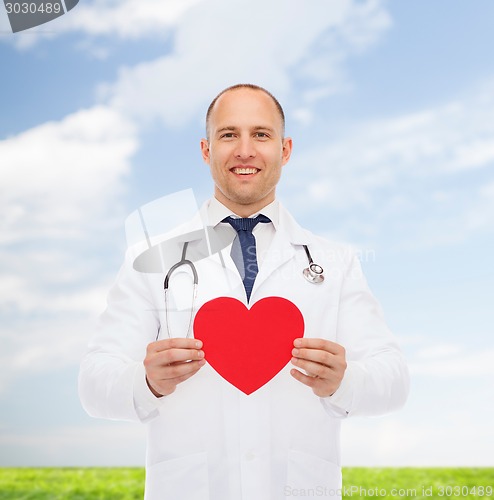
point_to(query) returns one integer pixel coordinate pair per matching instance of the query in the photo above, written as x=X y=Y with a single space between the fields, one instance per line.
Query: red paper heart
x=248 y=347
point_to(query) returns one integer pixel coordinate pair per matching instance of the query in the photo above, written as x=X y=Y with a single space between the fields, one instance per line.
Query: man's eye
x=261 y=135
x=227 y=135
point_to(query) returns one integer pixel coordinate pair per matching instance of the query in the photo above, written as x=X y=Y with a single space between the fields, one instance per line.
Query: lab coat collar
x=283 y=248
x=206 y=240
x=295 y=233
x=213 y=212
x=216 y=212
x=288 y=237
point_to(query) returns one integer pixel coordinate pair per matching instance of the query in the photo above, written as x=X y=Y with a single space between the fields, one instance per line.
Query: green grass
x=358 y=482
x=420 y=483
x=96 y=483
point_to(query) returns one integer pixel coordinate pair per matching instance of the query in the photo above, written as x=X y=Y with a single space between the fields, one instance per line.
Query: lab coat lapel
x=209 y=250
x=288 y=236
x=280 y=251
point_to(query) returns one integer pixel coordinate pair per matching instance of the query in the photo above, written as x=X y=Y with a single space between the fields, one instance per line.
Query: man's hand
x=323 y=361
x=169 y=362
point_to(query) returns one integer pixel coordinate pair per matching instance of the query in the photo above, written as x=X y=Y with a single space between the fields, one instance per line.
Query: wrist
x=155 y=393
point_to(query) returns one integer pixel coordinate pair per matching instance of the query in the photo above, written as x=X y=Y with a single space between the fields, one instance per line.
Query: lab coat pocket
x=184 y=477
x=309 y=475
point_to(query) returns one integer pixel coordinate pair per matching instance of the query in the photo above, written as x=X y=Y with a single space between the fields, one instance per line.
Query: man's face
x=246 y=150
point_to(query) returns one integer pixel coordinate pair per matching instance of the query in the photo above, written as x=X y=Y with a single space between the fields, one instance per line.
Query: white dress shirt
x=263 y=233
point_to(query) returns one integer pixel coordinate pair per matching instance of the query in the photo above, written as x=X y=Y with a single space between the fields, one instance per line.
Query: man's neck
x=244 y=210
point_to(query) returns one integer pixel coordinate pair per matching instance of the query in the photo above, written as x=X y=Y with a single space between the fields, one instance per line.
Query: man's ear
x=287 y=149
x=205 y=150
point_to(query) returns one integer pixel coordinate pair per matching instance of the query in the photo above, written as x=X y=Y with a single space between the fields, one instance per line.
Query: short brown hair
x=246 y=86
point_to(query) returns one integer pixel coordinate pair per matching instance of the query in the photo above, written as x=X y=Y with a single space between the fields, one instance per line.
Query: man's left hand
x=323 y=361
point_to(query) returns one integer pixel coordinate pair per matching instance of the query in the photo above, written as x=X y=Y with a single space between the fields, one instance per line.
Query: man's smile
x=244 y=170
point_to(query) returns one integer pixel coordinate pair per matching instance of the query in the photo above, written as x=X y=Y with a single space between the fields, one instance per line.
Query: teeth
x=244 y=171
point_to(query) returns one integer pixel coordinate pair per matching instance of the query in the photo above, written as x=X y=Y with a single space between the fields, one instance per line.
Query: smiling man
x=210 y=437
x=246 y=148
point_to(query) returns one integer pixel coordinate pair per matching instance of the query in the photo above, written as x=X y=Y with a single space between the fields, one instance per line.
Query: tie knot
x=247 y=224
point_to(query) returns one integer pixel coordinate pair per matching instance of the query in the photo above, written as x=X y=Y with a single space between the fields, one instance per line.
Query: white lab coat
x=208 y=440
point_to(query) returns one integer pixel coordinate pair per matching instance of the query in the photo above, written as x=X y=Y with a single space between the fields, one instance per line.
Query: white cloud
x=407 y=170
x=26 y=291
x=35 y=347
x=125 y=19
x=60 y=199
x=447 y=420
x=421 y=145
x=431 y=357
x=4 y=23
x=45 y=327
x=102 y=444
x=59 y=176
x=452 y=362
x=480 y=214
x=250 y=23
x=439 y=351
x=277 y=44
x=44 y=345
x=62 y=181
x=128 y=18
x=427 y=437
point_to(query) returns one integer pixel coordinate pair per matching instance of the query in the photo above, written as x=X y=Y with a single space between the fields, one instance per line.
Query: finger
x=320 y=387
x=175 y=343
x=179 y=380
x=174 y=373
x=157 y=361
x=316 y=355
x=171 y=356
x=313 y=369
x=308 y=380
x=165 y=386
x=316 y=343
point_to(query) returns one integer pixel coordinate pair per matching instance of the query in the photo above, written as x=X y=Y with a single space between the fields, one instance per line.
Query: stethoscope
x=313 y=274
x=166 y=285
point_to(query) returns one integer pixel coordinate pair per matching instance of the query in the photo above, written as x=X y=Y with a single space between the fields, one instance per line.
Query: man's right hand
x=169 y=362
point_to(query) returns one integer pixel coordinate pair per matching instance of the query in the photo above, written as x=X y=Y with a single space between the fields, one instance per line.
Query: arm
x=124 y=372
x=364 y=372
x=170 y=362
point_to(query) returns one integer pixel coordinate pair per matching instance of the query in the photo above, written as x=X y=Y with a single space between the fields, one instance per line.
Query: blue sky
x=391 y=108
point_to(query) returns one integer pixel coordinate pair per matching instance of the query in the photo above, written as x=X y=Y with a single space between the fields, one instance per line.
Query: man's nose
x=245 y=148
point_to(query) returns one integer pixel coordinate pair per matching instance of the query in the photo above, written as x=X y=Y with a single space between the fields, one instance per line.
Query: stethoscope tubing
x=313 y=274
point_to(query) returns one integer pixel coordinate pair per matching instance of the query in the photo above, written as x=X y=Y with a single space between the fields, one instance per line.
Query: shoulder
x=325 y=248
x=334 y=252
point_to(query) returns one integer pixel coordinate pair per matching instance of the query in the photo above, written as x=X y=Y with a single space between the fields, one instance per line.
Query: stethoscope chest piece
x=313 y=273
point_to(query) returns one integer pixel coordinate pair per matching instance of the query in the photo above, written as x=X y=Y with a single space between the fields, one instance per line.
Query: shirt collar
x=217 y=212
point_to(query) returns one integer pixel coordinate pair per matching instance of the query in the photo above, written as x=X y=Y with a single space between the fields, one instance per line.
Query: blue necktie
x=247 y=264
